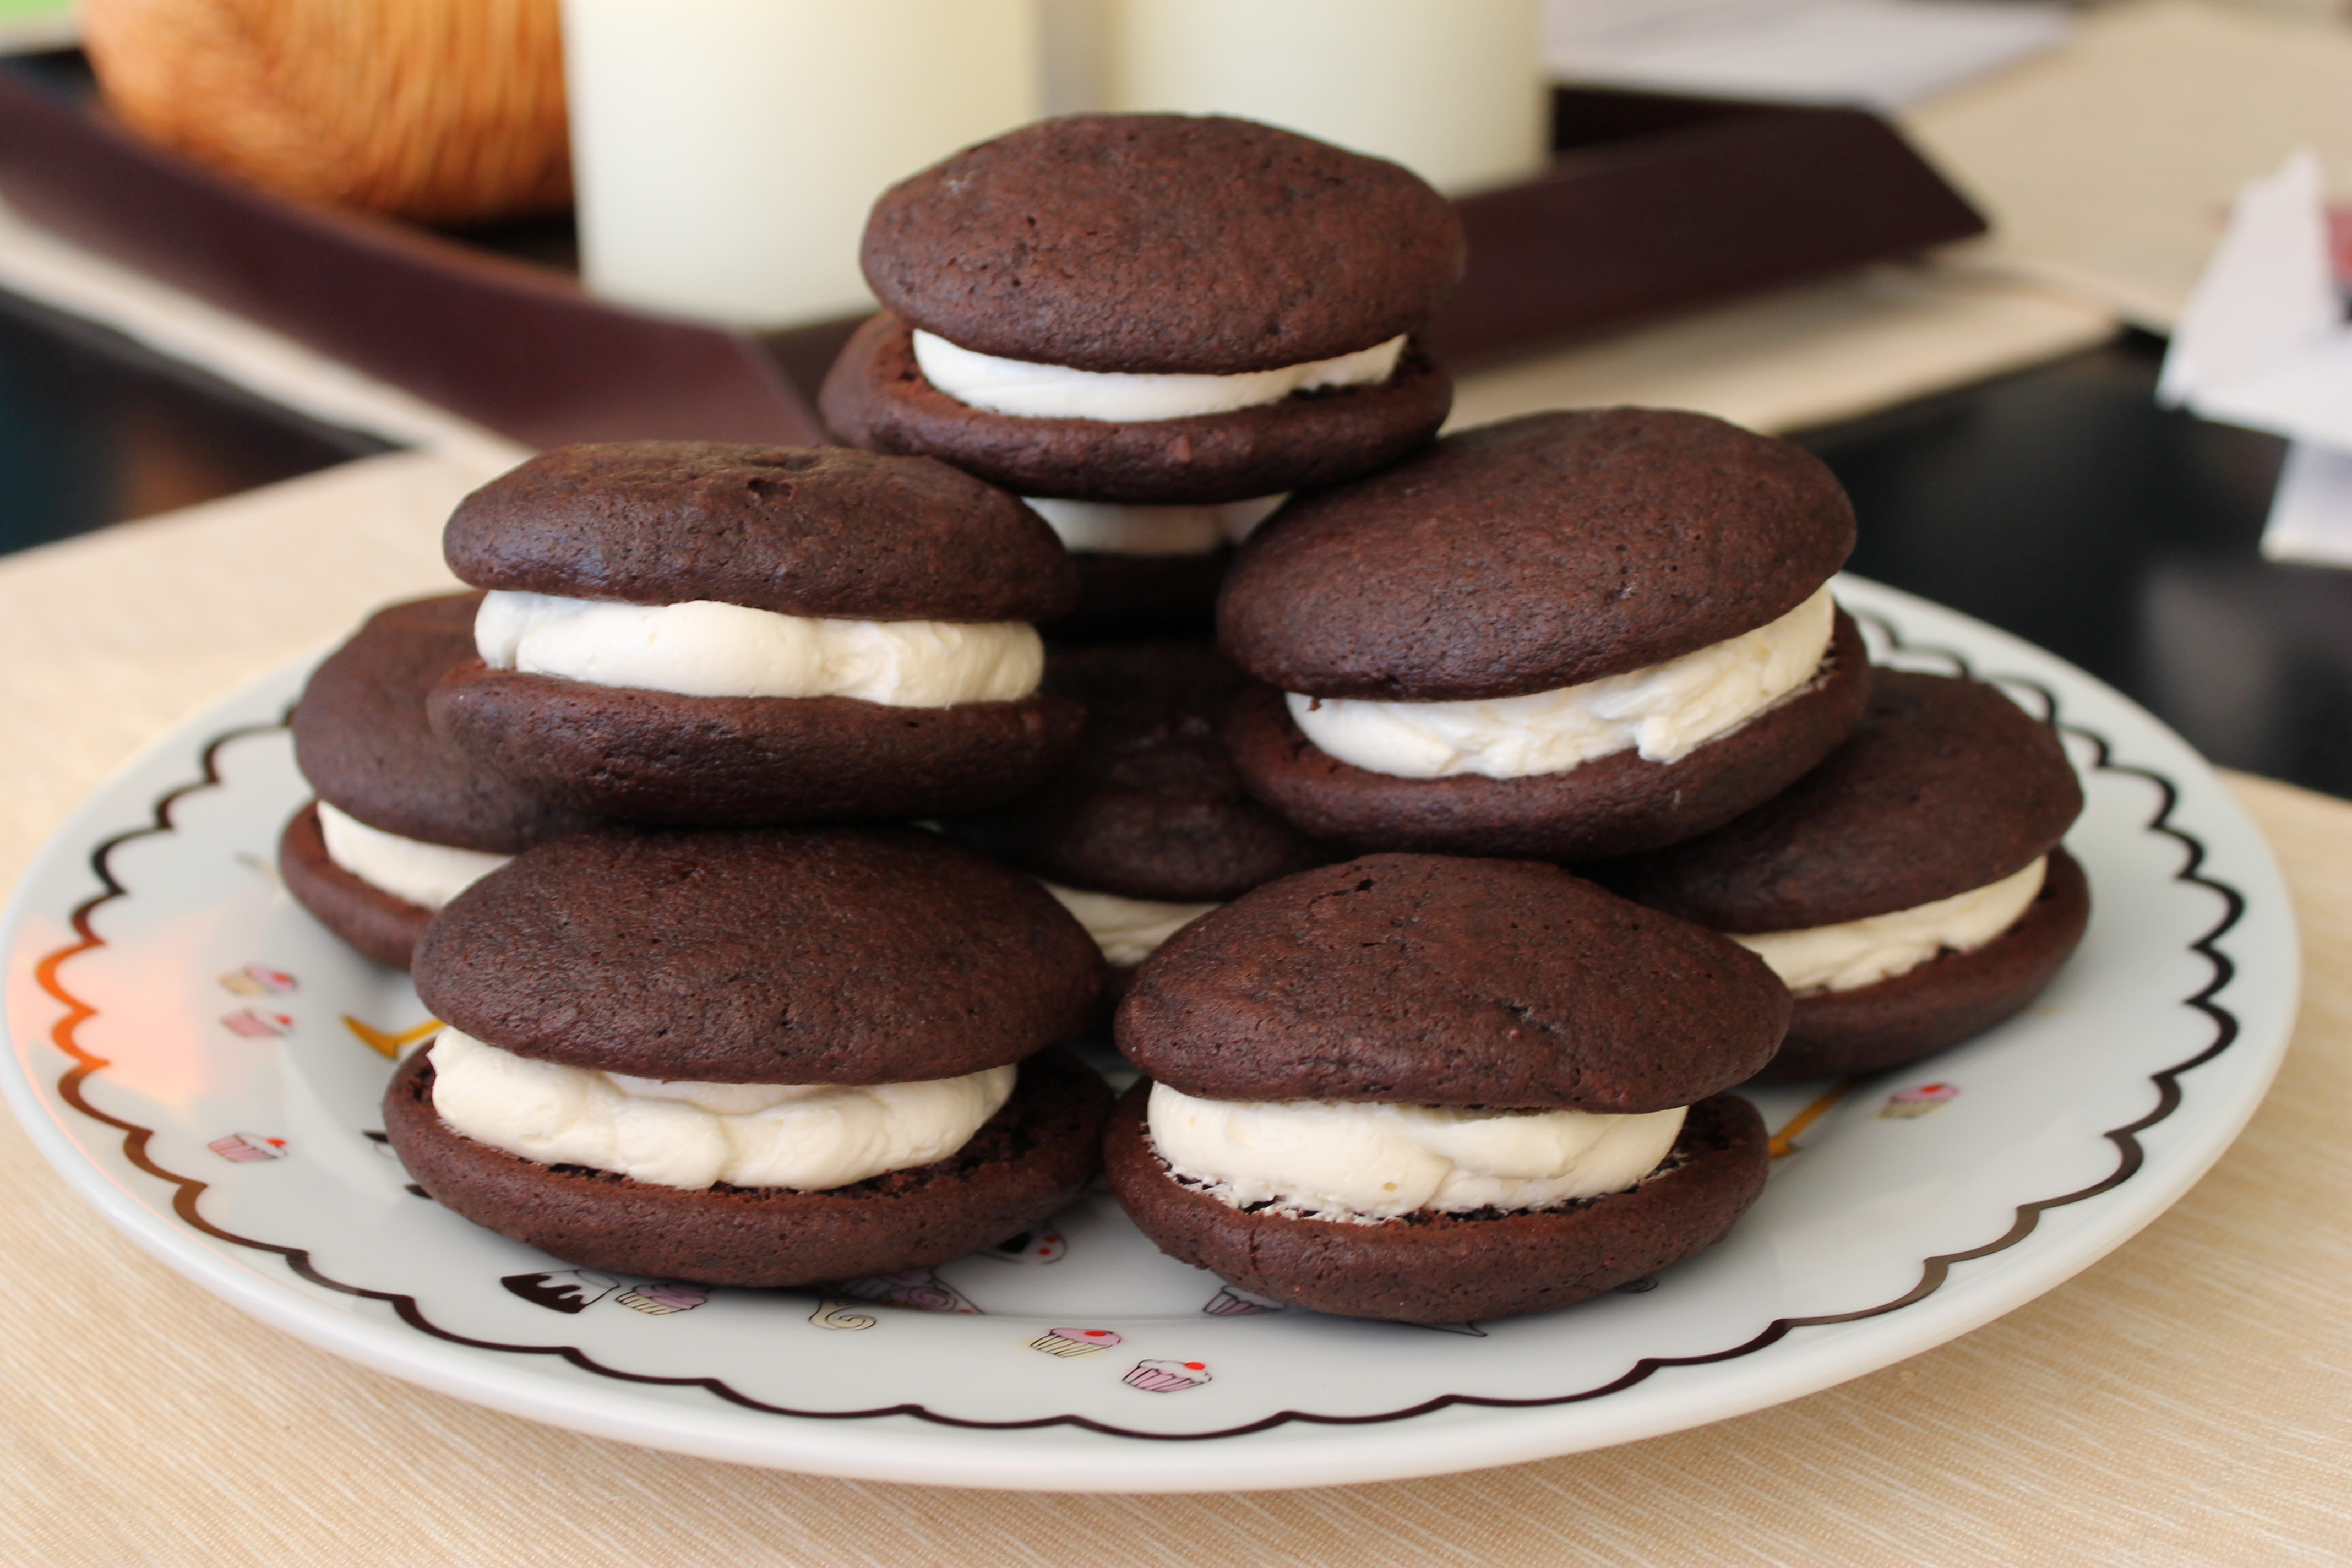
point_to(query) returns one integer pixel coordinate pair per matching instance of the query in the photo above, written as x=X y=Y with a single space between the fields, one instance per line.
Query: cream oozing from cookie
x=1366 y=1163
x=1029 y=390
x=1854 y=953
x=426 y=875
x=811 y=1138
x=1128 y=930
x=1110 y=527
x=1664 y=711
x=707 y=648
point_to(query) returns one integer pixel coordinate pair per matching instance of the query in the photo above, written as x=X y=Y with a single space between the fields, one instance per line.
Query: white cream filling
x=811 y=1138
x=1854 y=953
x=706 y=648
x=1666 y=711
x=426 y=875
x=1036 y=391
x=1128 y=930
x=1111 y=529
x=1366 y=1163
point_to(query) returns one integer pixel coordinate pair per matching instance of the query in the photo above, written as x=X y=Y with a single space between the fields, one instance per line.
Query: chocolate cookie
x=1837 y=1033
x=361 y=740
x=1123 y=597
x=826 y=955
x=875 y=397
x=1613 y=805
x=1430 y=1268
x=1160 y=243
x=1535 y=554
x=1945 y=785
x=818 y=530
x=1148 y=806
x=384 y=926
x=1022 y=1165
x=658 y=757
x=1432 y=980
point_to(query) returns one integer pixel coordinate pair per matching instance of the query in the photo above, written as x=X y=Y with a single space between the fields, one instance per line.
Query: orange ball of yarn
x=443 y=112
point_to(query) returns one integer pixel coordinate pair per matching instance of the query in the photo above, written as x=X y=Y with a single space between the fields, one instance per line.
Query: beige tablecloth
x=2186 y=1401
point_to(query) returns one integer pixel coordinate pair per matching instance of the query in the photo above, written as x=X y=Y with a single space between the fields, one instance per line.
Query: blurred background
x=1949 y=244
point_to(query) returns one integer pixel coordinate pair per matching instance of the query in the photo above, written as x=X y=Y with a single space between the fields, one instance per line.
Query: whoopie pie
x=718 y=635
x=1565 y=635
x=1153 y=326
x=1435 y=1090
x=753 y=1057
x=1146 y=826
x=1911 y=890
x=400 y=824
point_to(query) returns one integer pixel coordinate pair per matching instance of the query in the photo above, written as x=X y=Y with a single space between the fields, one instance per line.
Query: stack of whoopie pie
x=402 y=824
x=1567 y=636
x=1911 y=890
x=703 y=1026
x=1434 y=1089
x=752 y=1057
x=1153 y=326
x=1146 y=826
x=699 y=633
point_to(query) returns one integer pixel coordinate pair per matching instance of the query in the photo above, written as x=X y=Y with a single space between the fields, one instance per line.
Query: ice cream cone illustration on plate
x=568 y=1291
x=1070 y=1342
x=1166 y=1376
x=1906 y=1103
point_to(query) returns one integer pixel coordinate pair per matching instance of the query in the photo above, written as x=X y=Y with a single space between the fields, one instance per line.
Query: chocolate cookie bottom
x=1614 y=804
x=1835 y=1034
x=1452 y=1268
x=1122 y=597
x=1028 y=1161
x=384 y=926
x=876 y=397
x=744 y=762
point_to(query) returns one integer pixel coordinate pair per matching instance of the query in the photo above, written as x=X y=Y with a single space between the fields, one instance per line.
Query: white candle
x=726 y=152
x=1451 y=88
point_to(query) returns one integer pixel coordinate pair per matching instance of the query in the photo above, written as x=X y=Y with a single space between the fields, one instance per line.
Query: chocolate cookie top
x=1433 y=980
x=1163 y=244
x=818 y=531
x=1537 y=552
x=1150 y=805
x=772 y=955
x=1946 y=785
x=361 y=740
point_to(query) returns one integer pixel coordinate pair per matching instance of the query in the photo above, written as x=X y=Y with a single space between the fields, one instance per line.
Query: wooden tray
x=1652 y=204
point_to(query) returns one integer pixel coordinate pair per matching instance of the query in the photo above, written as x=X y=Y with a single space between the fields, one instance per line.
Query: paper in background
x=1878 y=53
x=2264 y=343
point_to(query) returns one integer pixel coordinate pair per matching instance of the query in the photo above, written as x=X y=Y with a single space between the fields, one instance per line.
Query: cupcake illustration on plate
x=660 y=1300
x=256 y=1024
x=1166 y=1376
x=1075 y=1342
x=1229 y=1302
x=1039 y=1246
x=257 y=980
x=247 y=1147
x=1906 y=1103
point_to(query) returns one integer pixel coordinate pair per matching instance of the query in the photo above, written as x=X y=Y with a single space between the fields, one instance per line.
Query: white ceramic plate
x=204 y=1063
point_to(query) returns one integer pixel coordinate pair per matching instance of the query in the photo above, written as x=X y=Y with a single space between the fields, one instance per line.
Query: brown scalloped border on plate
x=1933 y=1271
